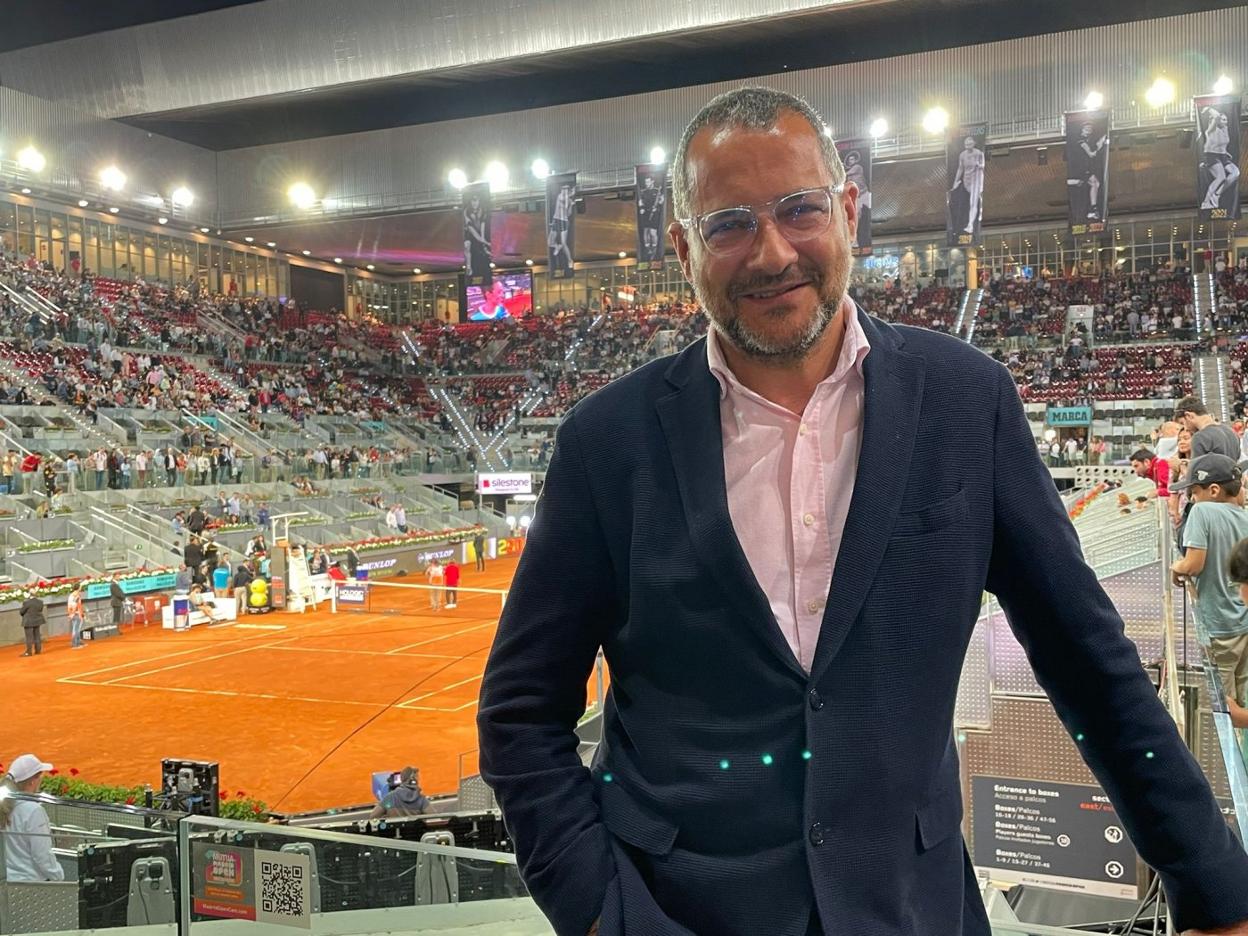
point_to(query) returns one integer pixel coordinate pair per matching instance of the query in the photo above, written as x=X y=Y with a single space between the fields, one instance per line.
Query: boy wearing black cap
x=1215 y=525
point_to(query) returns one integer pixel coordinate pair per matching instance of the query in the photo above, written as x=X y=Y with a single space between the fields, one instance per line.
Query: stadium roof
x=225 y=75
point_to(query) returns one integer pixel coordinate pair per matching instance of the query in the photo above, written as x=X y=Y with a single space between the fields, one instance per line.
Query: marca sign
x=516 y=482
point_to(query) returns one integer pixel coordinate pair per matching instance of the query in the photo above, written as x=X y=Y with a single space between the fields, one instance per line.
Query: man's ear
x=680 y=241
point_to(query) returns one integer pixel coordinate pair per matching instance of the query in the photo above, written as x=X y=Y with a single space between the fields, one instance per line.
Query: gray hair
x=751 y=108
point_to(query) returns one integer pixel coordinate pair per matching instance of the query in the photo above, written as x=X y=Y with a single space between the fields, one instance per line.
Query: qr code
x=281 y=889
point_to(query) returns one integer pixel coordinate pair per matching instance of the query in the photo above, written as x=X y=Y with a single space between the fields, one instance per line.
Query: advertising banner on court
x=223 y=881
x=965 y=158
x=651 y=197
x=477 y=250
x=1060 y=835
x=1217 y=156
x=1087 y=171
x=513 y=482
x=560 y=224
x=157 y=581
x=352 y=593
x=1068 y=416
x=856 y=157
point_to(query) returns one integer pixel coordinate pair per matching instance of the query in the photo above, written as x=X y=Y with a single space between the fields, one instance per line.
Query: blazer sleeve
x=1078 y=647
x=559 y=609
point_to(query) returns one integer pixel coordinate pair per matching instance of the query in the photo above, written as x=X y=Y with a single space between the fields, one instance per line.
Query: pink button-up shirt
x=790 y=479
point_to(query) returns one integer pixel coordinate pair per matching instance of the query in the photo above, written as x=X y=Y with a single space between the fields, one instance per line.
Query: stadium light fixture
x=540 y=168
x=162 y=220
x=371 y=267
x=528 y=262
x=416 y=270
x=203 y=230
x=182 y=197
x=112 y=178
x=271 y=244
x=491 y=265
x=307 y=253
x=25 y=191
x=1160 y=93
x=114 y=210
x=658 y=156
x=337 y=259
x=1223 y=85
x=879 y=127
x=623 y=254
x=497 y=175
x=82 y=203
x=301 y=195
x=457 y=178
x=936 y=120
x=1093 y=101
x=249 y=239
x=31 y=159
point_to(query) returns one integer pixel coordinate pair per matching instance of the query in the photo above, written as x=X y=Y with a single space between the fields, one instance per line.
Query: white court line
x=155 y=659
x=164 y=669
x=429 y=708
x=456 y=685
x=260 y=626
x=421 y=643
x=423 y=656
x=228 y=692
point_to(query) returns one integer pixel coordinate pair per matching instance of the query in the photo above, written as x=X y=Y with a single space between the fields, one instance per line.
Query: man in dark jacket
x=242 y=581
x=32 y=620
x=195 y=522
x=193 y=554
x=117 y=598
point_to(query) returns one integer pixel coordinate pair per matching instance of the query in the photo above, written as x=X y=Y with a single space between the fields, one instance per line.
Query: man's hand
x=1237 y=929
x=1178 y=579
x=593 y=930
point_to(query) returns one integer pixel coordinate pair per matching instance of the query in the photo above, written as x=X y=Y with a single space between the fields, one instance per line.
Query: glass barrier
x=336 y=883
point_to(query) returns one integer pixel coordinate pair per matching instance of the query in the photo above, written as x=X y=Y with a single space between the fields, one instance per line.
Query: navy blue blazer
x=733 y=793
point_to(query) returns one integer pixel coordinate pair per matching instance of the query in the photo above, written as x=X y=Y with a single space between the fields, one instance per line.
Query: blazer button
x=816 y=834
x=816 y=700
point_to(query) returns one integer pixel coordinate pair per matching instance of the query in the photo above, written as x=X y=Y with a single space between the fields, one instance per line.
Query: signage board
x=1060 y=835
x=353 y=594
x=133 y=586
x=513 y=482
x=235 y=883
x=1068 y=416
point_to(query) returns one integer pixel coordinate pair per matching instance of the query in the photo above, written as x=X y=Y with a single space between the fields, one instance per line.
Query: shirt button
x=812 y=606
x=802 y=429
x=808 y=519
x=816 y=700
x=816 y=834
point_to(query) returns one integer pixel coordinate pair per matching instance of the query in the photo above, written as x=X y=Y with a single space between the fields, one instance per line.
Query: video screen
x=511 y=296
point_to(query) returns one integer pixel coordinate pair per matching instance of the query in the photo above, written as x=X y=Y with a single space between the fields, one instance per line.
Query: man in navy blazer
x=742 y=788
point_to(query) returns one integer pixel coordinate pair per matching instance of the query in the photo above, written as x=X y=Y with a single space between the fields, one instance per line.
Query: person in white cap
x=27 y=832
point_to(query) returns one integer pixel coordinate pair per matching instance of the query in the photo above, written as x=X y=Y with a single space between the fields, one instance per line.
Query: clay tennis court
x=268 y=697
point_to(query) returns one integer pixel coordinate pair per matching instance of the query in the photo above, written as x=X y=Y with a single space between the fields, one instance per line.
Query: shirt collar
x=854 y=348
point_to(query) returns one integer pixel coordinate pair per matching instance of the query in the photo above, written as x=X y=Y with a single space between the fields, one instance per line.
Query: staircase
x=39 y=394
x=29 y=300
x=968 y=314
x=1211 y=379
x=464 y=433
x=1205 y=302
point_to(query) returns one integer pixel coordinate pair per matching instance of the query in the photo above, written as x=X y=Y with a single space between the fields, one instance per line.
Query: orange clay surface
x=395 y=685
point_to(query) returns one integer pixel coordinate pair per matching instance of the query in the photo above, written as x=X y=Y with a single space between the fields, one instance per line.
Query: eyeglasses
x=799 y=216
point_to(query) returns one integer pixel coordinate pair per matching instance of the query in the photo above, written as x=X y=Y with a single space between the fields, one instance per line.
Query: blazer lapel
x=690 y=421
x=893 y=387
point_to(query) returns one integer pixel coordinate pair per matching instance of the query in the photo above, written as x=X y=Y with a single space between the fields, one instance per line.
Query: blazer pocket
x=939 y=818
x=633 y=823
x=933 y=517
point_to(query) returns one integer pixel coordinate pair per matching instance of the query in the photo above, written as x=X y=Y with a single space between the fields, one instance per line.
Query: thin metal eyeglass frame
x=695 y=223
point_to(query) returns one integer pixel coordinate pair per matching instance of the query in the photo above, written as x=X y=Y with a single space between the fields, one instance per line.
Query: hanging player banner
x=965 y=155
x=1217 y=156
x=1087 y=170
x=560 y=223
x=477 y=250
x=651 y=216
x=856 y=157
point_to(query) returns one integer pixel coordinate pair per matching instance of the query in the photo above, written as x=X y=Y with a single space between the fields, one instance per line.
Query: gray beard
x=777 y=355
